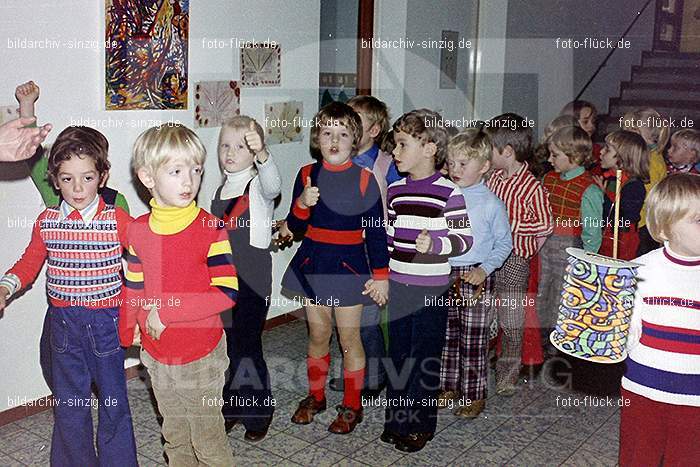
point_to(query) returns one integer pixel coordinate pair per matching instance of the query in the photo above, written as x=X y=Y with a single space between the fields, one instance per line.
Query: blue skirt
x=328 y=275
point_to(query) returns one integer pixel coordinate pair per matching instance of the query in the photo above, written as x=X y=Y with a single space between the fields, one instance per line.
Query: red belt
x=335 y=237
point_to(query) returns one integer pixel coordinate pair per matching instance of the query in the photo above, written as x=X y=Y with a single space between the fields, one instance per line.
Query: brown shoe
x=307 y=409
x=445 y=397
x=346 y=421
x=413 y=442
x=472 y=410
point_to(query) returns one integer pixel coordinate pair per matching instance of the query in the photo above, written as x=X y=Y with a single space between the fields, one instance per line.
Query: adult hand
x=18 y=142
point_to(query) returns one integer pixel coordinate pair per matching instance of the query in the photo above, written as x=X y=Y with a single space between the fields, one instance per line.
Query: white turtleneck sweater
x=264 y=188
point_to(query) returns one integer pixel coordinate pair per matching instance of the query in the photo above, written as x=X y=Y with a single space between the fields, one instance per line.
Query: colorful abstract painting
x=146 y=54
x=216 y=102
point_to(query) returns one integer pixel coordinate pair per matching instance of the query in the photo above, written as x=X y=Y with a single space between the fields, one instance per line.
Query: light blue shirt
x=488 y=217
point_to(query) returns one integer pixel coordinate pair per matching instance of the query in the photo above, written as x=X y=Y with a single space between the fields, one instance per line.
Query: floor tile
x=282 y=444
x=317 y=456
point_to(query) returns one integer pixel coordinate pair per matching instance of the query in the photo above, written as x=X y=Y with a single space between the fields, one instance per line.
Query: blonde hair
x=574 y=142
x=669 y=201
x=637 y=119
x=155 y=146
x=692 y=139
x=632 y=153
x=472 y=143
x=377 y=112
x=562 y=121
x=242 y=122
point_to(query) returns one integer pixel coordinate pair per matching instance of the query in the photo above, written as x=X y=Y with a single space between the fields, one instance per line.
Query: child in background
x=626 y=151
x=647 y=123
x=684 y=153
x=428 y=223
x=660 y=420
x=464 y=368
x=82 y=241
x=586 y=114
x=577 y=207
x=540 y=158
x=375 y=124
x=339 y=207
x=179 y=279
x=530 y=219
x=27 y=94
x=245 y=202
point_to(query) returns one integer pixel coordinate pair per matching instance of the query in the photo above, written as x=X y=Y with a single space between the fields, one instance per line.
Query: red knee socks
x=317 y=370
x=353 y=385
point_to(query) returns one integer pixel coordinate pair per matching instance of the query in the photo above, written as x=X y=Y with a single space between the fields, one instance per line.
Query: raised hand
x=255 y=143
x=309 y=197
x=423 y=242
x=27 y=93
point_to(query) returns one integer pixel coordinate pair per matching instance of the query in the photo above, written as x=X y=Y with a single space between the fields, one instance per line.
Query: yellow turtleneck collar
x=171 y=220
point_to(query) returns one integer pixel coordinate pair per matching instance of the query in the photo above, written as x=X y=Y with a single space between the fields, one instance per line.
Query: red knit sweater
x=190 y=275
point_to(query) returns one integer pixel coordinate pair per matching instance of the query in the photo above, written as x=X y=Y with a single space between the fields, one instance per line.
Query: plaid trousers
x=511 y=292
x=553 y=261
x=465 y=354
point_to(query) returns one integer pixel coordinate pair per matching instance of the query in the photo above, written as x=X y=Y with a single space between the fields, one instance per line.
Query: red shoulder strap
x=364 y=180
x=306 y=172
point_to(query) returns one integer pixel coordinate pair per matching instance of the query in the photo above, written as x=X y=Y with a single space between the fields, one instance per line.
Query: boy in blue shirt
x=464 y=367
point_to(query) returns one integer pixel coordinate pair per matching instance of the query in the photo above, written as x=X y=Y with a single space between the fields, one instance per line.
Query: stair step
x=683 y=104
x=659 y=93
x=664 y=75
x=675 y=60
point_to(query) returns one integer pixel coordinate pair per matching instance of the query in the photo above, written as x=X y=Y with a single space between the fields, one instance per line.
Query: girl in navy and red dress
x=342 y=262
x=626 y=151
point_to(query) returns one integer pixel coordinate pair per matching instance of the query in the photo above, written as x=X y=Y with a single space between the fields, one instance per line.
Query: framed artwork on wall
x=283 y=122
x=260 y=65
x=8 y=112
x=146 y=54
x=216 y=102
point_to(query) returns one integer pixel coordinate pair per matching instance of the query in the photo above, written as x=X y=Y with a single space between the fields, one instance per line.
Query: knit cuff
x=11 y=282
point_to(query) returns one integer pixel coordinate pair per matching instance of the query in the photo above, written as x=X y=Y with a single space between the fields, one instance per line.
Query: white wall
x=407 y=78
x=72 y=87
x=541 y=77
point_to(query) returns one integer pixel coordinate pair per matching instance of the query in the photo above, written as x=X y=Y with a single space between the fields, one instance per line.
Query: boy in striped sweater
x=81 y=239
x=427 y=224
x=660 y=418
x=530 y=216
x=179 y=278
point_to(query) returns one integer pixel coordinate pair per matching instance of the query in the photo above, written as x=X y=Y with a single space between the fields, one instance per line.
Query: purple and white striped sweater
x=437 y=205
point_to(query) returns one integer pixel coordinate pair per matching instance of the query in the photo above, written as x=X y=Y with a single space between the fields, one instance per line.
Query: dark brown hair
x=427 y=126
x=335 y=113
x=78 y=141
x=512 y=130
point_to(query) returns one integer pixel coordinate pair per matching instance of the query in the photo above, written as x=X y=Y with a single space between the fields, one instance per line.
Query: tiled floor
x=538 y=426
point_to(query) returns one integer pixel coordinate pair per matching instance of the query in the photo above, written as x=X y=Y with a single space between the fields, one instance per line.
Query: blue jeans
x=85 y=350
x=417 y=326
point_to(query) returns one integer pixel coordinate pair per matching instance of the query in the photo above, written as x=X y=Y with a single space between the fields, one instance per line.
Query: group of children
x=441 y=255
